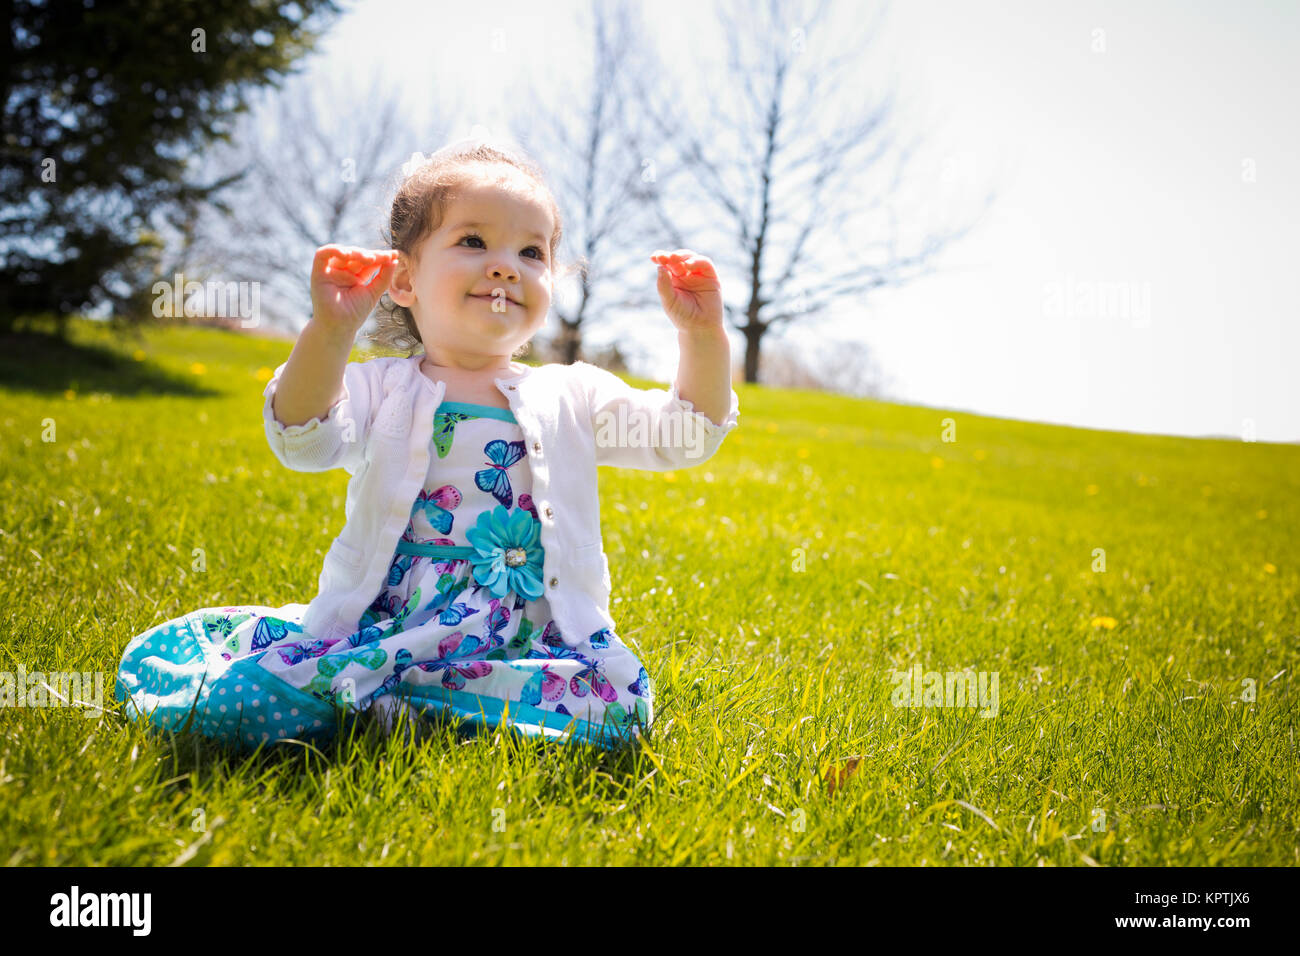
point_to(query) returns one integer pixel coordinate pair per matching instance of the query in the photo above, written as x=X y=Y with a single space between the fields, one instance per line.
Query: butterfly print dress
x=461 y=629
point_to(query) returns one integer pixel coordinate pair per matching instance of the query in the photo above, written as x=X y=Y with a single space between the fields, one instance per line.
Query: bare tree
x=604 y=177
x=313 y=174
x=788 y=189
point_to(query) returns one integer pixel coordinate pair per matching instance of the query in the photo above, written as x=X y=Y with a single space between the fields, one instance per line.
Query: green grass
x=975 y=553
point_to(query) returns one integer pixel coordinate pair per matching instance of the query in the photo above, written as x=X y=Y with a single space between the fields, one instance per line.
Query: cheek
x=442 y=283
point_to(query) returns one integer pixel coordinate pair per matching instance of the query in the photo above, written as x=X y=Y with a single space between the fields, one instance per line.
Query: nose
x=503 y=273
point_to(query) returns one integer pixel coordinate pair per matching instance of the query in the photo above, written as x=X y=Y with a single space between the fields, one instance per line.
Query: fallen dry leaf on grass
x=837 y=776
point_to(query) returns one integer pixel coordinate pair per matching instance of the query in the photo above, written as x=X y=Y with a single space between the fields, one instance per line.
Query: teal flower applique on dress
x=509 y=554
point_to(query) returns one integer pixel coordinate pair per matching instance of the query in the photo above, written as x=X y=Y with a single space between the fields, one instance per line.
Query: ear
x=400 y=289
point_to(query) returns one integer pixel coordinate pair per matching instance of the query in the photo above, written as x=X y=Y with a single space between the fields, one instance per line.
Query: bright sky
x=1131 y=272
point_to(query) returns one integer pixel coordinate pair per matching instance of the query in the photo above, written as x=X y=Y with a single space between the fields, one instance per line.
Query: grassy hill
x=1144 y=712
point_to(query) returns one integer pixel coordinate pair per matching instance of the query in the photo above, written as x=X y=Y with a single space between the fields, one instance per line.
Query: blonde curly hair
x=418 y=209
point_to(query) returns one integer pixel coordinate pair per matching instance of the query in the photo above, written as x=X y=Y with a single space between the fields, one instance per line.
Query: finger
x=342 y=254
x=340 y=266
x=320 y=262
x=699 y=265
x=673 y=260
x=665 y=287
x=334 y=272
x=665 y=260
x=359 y=262
x=344 y=268
x=381 y=273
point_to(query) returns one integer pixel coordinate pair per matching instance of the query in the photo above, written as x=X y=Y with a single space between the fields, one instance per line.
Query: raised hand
x=346 y=282
x=690 y=290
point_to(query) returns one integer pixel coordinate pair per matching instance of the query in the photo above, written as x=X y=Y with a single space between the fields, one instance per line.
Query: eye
x=541 y=256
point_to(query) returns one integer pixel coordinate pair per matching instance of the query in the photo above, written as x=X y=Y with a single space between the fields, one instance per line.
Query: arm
x=652 y=429
x=313 y=376
x=318 y=405
x=657 y=430
x=704 y=372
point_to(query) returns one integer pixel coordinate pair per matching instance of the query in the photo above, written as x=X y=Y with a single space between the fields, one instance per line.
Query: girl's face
x=481 y=283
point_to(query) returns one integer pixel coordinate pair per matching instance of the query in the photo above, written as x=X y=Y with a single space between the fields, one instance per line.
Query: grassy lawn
x=771 y=593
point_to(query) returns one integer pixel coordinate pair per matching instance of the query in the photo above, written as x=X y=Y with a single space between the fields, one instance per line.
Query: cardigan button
x=549 y=512
x=554 y=582
x=511 y=387
x=537 y=446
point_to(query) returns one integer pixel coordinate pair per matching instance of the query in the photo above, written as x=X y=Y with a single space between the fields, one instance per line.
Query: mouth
x=492 y=298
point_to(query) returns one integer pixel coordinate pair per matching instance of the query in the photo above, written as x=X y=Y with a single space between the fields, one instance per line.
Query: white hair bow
x=478 y=138
x=411 y=165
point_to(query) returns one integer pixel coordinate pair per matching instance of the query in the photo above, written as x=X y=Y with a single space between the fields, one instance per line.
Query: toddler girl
x=469 y=580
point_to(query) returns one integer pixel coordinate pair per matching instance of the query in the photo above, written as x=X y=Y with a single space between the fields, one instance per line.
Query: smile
x=492 y=298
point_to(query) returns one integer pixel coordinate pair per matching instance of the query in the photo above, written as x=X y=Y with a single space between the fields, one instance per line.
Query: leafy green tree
x=102 y=103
